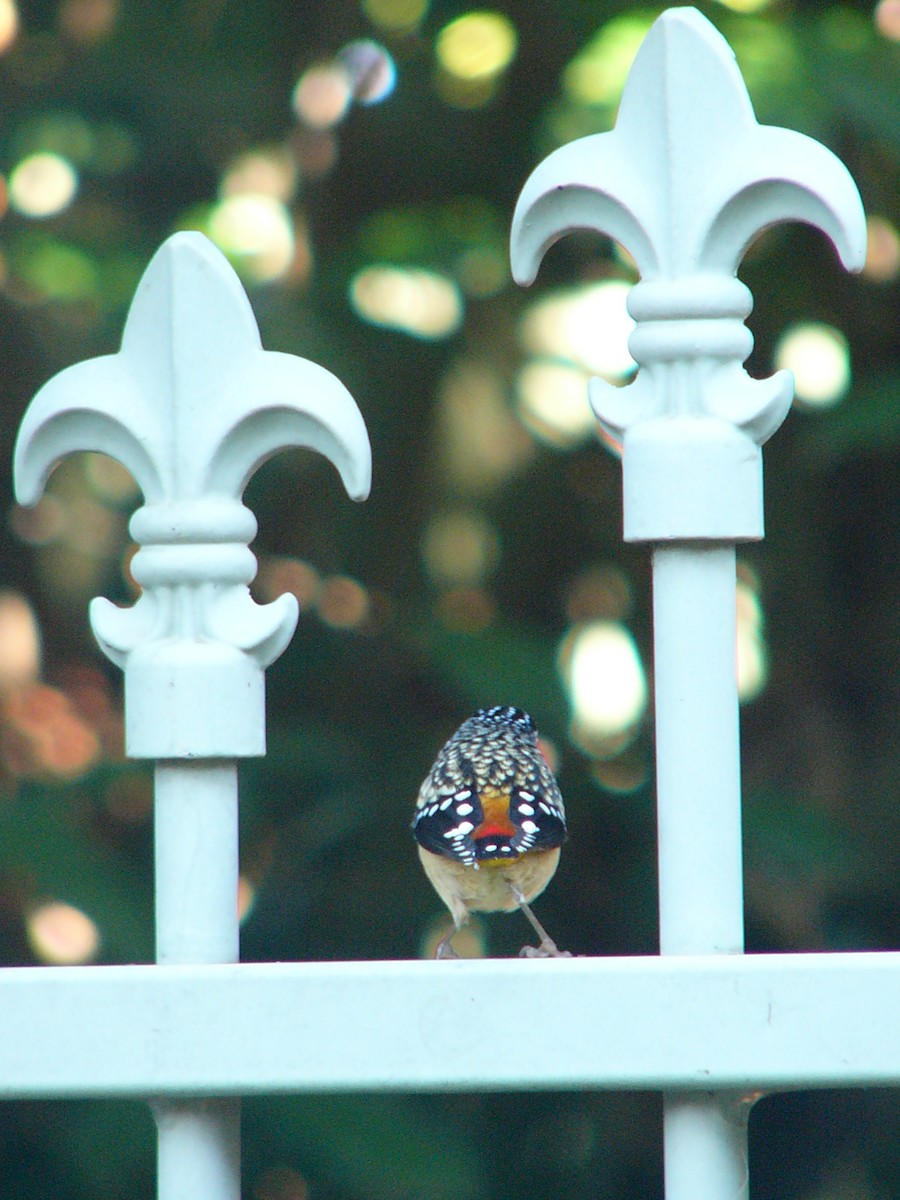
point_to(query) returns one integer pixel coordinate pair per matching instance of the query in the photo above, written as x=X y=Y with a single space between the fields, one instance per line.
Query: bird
x=489 y=822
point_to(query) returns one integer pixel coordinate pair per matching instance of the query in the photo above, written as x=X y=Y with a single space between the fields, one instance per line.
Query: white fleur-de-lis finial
x=192 y=405
x=685 y=181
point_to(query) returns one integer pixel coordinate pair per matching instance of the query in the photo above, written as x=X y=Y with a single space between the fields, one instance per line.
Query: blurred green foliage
x=156 y=107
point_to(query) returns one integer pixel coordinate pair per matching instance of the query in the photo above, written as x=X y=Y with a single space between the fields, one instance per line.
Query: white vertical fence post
x=701 y=906
x=195 y=815
x=684 y=182
x=192 y=405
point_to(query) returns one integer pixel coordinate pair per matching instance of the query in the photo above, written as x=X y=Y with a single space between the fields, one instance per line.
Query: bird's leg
x=548 y=948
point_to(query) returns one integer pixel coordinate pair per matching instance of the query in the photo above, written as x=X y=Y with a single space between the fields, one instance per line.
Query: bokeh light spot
x=246 y=897
x=479 y=441
x=887 y=19
x=745 y=6
x=109 y=480
x=41 y=524
x=819 y=358
x=256 y=232
x=370 y=69
x=397 y=15
x=322 y=95
x=460 y=548
x=61 y=934
x=396 y=235
x=54 y=270
x=9 y=23
x=607 y=687
x=477 y=45
x=277 y=576
x=752 y=660
x=553 y=402
x=62 y=132
x=20 y=642
x=343 y=603
x=597 y=74
x=42 y=734
x=482 y=271
x=91 y=696
x=281 y=1183
x=882 y=248
x=588 y=326
x=418 y=302
x=42 y=185
x=262 y=172
x=770 y=58
x=88 y=22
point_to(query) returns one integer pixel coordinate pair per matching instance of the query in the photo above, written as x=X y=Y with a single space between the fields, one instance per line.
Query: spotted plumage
x=490 y=819
x=490 y=795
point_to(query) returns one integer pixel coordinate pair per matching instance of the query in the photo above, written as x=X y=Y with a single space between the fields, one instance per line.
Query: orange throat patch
x=496 y=822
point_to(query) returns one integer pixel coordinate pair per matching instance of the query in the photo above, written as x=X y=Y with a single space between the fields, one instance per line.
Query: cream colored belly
x=489 y=888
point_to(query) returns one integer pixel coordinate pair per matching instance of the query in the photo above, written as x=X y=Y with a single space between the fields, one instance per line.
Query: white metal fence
x=192 y=405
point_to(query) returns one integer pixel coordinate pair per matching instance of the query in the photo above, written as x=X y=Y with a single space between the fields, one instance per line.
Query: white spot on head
x=491 y=848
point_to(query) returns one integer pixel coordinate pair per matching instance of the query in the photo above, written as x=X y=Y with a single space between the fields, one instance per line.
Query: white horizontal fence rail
x=744 y=1024
x=192 y=405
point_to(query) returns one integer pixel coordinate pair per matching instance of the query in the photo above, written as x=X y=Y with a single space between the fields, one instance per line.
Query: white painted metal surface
x=701 y=900
x=195 y=816
x=685 y=181
x=192 y=405
x=733 y=1022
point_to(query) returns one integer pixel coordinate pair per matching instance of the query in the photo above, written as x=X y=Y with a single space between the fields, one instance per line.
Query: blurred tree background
x=358 y=161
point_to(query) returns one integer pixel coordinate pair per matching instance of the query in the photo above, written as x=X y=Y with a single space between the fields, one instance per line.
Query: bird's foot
x=547 y=949
x=445 y=948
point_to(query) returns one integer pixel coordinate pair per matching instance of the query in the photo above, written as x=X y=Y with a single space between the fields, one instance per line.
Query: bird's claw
x=445 y=950
x=547 y=949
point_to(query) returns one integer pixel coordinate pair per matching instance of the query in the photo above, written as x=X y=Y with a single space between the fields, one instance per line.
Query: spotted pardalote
x=490 y=821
